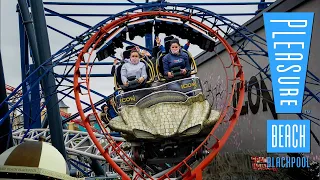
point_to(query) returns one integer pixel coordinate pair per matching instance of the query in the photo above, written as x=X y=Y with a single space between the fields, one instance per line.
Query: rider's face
x=134 y=57
x=105 y=108
x=174 y=48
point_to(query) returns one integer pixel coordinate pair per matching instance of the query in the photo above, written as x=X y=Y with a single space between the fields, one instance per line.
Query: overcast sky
x=10 y=36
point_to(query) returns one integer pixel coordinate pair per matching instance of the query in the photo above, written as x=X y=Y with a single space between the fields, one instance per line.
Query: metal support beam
x=83 y=75
x=5 y=133
x=84 y=87
x=35 y=99
x=24 y=69
x=84 y=110
x=108 y=15
x=71 y=97
x=134 y=44
x=140 y=4
x=148 y=38
x=27 y=22
x=63 y=33
x=96 y=167
x=82 y=14
x=49 y=86
x=65 y=17
x=83 y=64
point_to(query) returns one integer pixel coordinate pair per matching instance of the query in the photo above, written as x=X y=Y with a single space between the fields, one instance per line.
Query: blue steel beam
x=134 y=44
x=58 y=31
x=90 y=63
x=148 y=37
x=67 y=18
x=85 y=110
x=86 y=15
x=107 y=15
x=35 y=99
x=6 y=131
x=141 y=4
x=29 y=28
x=91 y=90
x=44 y=72
x=24 y=57
x=48 y=86
x=82 y=102
x=83 y=75
x=81 y=170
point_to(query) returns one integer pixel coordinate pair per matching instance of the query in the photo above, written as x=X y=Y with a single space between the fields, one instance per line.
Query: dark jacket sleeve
x=186 y=46
x=113 y=70
x=165 y=62
x=187 y=62
x=162 y=49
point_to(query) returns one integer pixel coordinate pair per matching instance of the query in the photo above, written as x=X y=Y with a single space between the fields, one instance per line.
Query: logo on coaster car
x=188 y=85
x=128 y=99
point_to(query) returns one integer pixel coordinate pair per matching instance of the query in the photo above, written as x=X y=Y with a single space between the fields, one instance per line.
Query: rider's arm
x=114 y=66
x=187 y=62
x=162 y=49
x=144 y=72
x=124 y=74
x=186 y=46
x=113 y=70
x=165 y=62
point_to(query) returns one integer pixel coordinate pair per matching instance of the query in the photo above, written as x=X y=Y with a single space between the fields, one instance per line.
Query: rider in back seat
x=134 y=74
x=167 y=40
x=125 y=59
x=176 y=64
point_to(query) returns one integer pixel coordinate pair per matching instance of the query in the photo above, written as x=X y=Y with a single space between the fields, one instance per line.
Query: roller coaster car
x=160 y=120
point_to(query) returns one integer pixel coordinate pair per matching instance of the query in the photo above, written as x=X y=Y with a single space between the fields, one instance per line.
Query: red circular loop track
x=191 y=173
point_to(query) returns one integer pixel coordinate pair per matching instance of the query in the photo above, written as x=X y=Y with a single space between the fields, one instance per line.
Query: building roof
x=34 y=157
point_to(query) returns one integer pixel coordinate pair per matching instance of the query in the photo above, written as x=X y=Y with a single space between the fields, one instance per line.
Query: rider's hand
x=183 y=71
x=140 y=80
x=115 y=61
x=145 y=53
x=170 y=74
x=126 y=84
x=158 y=41
x=138 y=48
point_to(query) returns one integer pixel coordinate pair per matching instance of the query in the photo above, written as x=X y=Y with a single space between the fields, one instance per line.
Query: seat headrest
x=126 y=54
x=129 y=47
x=168 y=38
x=167 y=46
x=118 y=74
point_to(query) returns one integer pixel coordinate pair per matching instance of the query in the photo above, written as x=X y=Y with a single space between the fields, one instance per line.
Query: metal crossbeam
x=141 y=4
x=76 y=142
x=107 y=15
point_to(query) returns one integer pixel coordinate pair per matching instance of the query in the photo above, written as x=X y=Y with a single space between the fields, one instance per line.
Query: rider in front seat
x=176 y=64
x=133 y=74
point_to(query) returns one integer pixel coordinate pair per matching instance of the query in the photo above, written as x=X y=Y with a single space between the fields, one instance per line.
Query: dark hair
x=168 y=38
x=130 y=47
x=103 y=106
x=174 y=40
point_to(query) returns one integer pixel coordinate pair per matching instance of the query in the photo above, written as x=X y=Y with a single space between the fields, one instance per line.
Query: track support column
x=35 y=99
x=48 y=83
x=5 y=133
x=24 y=57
